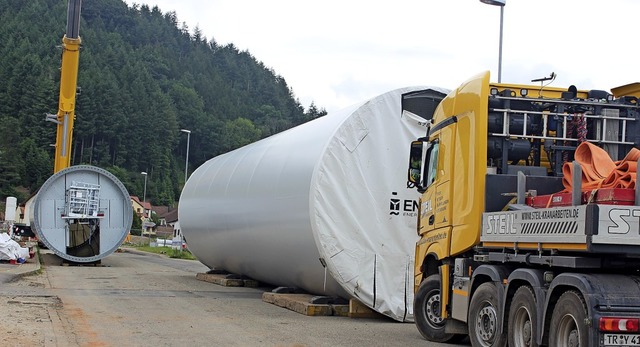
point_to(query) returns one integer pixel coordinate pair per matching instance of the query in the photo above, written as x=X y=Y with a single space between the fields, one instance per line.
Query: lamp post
x=500 y=3
x=144 y=194
x=144 y=201
x=186 y=163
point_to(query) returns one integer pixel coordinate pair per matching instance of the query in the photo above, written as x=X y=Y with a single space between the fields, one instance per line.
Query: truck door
x=434 y=220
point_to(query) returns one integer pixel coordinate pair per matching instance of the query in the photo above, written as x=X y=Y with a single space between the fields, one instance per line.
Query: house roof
x=160 y=210
x=171 y=216
x=146 y=205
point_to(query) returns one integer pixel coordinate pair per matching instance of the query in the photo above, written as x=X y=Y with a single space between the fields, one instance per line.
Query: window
x=432 y=163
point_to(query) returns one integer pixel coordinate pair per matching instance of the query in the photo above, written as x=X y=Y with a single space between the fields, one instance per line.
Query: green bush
x=181 y=254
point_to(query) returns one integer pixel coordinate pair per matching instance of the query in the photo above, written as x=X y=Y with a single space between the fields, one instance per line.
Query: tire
x=523 y=319
x=426 y=311
x=484 y=316
x=567 y=321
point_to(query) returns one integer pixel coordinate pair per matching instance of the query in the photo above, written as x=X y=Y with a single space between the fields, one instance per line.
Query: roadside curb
x=135 y=251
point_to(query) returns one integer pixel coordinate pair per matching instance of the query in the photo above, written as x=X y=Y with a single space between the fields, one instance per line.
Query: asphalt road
x=149 y=300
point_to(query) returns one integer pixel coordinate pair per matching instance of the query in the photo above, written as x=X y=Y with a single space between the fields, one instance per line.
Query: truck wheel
x=523 y=318
x=567 y=321
x=484 y=316
x=426 y=311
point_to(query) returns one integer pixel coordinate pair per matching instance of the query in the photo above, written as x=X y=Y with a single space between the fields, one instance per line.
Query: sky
x=336 y=53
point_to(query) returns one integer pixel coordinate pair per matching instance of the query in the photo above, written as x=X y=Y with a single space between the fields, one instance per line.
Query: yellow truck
x=528 y=219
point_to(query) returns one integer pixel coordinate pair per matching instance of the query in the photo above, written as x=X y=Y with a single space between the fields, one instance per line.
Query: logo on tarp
x=407 y=207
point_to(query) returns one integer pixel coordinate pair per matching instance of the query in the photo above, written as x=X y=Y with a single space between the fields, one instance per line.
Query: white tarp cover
x=332 y=189
x=10 y=249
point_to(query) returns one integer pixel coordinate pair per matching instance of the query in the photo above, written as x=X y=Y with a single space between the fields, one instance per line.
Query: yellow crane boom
x=68 y=85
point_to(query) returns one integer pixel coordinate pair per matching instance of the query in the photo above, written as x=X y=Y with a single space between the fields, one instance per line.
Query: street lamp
x=144 y=202
x=186 y=163
x=144 y=195
x=500 y=3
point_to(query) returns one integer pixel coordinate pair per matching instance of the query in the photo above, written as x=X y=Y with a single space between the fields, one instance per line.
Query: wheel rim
x=486 y=324
x=522 y=328
x=432 y=310
x=568 y=333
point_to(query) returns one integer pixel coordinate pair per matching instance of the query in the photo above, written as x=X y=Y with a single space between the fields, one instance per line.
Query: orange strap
x=600 y=171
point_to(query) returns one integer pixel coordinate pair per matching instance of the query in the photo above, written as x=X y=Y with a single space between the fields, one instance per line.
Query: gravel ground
x=28 y=314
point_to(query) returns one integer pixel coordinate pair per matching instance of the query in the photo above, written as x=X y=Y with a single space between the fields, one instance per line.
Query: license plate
x=621 y=340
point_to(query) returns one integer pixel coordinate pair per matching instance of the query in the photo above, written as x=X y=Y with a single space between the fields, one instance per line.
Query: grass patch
x=170 y=252
x=40 y=260
x=181 y=254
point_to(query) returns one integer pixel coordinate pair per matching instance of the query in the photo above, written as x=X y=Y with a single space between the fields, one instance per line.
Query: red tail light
x=617 y=324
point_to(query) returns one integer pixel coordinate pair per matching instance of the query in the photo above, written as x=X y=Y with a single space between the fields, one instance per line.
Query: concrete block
x=251 y=283
x=298 y=303
x=360 y=310
x=220 y=279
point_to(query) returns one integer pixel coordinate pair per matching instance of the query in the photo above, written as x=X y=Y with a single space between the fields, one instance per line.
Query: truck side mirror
x=416 y=164
x=423 y=162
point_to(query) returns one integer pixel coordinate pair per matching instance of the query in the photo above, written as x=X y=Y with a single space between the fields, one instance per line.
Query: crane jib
x=73 y=19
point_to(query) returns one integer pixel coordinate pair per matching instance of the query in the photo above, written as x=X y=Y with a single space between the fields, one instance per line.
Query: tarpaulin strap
x=600 y=171
x=592 y=196
x=578 y=124
x=549 y=202
x=511 y=202
x=624 y=175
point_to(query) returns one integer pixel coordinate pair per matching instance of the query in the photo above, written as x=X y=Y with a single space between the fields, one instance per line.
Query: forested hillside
x=143 y=76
